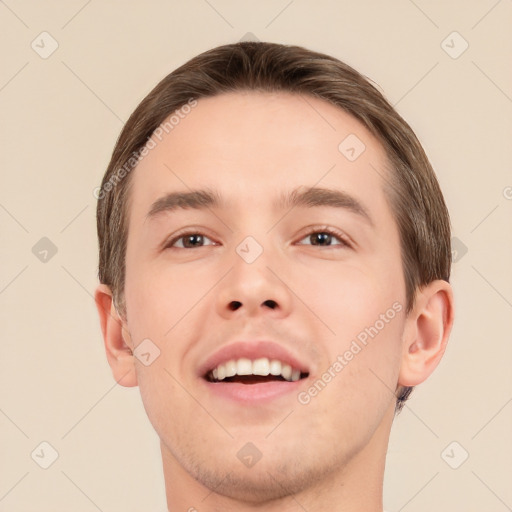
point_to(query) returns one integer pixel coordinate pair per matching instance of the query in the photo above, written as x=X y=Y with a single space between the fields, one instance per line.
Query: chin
x=251 y=485
x=267 y=480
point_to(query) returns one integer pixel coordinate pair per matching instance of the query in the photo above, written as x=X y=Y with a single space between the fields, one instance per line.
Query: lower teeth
x=250 y=379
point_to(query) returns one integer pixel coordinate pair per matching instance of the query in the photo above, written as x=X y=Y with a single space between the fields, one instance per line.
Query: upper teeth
x=262 y=366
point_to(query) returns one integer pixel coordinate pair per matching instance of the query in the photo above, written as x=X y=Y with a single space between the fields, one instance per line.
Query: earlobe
x=426 y=333
x=116 y=338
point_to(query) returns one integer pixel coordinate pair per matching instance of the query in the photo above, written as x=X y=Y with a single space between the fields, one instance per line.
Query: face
x=250 y=278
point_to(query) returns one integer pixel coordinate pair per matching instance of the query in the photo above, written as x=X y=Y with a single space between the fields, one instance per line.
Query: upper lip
x=251 y=350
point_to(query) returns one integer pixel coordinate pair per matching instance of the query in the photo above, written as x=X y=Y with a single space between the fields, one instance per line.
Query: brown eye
x=325 y=238
x=188 y=241
x=321 y=238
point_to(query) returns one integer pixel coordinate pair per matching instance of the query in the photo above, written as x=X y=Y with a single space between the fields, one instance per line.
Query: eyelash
x=327 y=230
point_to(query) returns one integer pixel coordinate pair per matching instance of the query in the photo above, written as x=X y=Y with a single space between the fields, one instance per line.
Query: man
x=274 y=266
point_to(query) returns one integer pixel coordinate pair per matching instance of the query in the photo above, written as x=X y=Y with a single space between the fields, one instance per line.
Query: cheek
x=349 y=297
x=154 y=311
x=364 y=311
x=357 y=387
x=167 y=403
x=159 y=297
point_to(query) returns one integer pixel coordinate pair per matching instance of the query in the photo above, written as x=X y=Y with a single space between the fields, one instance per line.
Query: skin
x=252 y=146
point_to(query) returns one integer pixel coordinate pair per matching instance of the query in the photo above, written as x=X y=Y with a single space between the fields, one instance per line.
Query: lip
x=262 y=393
x=252 y=350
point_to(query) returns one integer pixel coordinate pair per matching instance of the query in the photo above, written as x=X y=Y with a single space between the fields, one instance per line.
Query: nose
x=255 y=288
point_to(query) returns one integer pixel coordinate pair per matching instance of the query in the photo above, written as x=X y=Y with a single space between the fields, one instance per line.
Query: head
x=248 y=123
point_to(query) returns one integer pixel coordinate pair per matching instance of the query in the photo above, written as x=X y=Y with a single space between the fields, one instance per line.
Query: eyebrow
x=309 y=198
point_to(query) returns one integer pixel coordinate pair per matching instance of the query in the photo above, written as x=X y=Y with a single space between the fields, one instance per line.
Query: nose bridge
x=253 y=283
x=255 y=249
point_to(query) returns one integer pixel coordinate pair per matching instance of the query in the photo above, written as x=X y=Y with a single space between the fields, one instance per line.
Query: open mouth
x=247 y=371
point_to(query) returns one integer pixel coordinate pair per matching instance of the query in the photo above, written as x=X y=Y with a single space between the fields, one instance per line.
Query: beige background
x=60 y=118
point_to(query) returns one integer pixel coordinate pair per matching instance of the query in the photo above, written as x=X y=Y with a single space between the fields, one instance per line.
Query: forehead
x=257 y=146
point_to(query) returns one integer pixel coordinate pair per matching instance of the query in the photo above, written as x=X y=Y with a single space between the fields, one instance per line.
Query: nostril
x=234 y=305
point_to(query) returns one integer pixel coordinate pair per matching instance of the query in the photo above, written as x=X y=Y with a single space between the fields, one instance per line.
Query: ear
x=426 y=333
x=116 y=337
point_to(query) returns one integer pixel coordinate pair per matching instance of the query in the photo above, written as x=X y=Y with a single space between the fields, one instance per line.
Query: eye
x=323 y=237
x=188 y=240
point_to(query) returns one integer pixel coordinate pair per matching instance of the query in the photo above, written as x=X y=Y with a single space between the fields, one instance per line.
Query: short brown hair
x=412 y=188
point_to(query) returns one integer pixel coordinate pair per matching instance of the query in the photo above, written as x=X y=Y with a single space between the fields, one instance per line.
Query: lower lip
x=251 y=393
